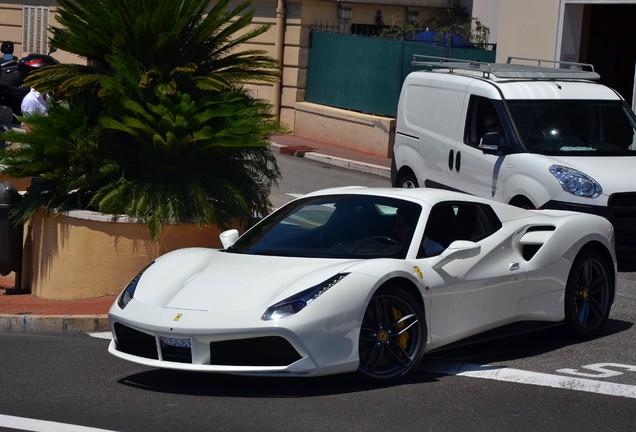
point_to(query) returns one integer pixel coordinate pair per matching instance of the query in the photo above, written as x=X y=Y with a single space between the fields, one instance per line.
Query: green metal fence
x=365 y=74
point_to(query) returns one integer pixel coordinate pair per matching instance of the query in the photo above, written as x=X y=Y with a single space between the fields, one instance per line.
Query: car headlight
x=297 y=302
x=575 y=182
x=129 y=292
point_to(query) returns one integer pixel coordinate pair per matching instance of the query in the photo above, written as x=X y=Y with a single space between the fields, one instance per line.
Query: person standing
x=34 y=102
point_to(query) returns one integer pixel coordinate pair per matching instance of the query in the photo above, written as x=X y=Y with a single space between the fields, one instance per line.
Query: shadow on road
x=497 y=349
x=523 y=343
x=206 y=384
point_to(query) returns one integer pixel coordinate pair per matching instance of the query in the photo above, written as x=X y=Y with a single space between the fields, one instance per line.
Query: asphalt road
x=538 y=381
x=301 y=176
x=69 y=379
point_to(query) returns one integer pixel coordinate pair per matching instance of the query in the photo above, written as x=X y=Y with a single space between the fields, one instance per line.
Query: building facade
x=600 y=32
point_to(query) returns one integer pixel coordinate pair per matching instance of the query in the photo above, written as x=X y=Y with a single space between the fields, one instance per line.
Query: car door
x=475 y=294
x=476 y=172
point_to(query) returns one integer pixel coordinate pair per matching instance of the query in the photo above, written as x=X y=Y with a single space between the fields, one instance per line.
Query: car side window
x=482 y=118
x=452 y=221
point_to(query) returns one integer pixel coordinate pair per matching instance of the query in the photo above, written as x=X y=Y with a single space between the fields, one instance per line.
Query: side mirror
x=228 y=238
x=492 y=143
x=458 y=250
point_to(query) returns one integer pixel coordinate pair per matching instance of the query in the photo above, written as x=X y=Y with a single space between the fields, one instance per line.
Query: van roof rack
x=529 y=68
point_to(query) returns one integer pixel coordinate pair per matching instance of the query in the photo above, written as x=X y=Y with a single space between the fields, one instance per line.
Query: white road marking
x=294 y=195
x=27 y=424
x=500 y=373
x=601 y=370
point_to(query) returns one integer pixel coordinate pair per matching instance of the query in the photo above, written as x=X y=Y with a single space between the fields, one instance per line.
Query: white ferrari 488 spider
x=366 y=280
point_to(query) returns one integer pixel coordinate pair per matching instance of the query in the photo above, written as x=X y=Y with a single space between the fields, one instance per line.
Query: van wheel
x=408 y=181
x=522 y=202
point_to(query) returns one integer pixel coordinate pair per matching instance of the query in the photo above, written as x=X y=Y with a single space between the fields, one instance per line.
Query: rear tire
x=392 y=337
x=588 y=294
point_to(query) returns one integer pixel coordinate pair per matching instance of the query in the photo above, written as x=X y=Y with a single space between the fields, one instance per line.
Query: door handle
x=458 y=161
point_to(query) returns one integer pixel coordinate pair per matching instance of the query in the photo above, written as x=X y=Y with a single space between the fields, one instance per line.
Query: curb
x=53 y=323
x=337 y=161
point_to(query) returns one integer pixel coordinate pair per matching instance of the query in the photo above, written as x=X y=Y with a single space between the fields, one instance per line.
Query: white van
x=521 y=133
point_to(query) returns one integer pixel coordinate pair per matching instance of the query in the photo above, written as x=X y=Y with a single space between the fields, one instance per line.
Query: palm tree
x=157 y=125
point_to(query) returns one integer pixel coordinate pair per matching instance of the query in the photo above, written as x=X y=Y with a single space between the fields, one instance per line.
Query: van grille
x=622 y=208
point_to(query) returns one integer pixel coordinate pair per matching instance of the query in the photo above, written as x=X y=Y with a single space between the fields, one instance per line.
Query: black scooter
x=12 y=76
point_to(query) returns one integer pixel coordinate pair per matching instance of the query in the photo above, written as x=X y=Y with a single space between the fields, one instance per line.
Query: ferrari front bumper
x=264 y=355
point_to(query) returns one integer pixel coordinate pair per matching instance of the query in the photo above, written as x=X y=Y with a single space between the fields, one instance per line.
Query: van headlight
x=575 y=182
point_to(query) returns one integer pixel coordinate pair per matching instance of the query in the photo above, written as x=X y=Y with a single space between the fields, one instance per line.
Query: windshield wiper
x=542 y=150
x=272 y=252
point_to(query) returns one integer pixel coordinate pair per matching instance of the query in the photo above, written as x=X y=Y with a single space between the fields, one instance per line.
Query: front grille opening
x=174 y=353
x=623 y=217
x=134 y=342
x=262 y=351
x=623 y=200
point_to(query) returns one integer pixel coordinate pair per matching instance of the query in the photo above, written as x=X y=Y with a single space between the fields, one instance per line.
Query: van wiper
x=273 y=252
x=543 y=150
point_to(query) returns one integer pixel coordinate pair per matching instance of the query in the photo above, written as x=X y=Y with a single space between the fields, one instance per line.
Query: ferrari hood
x=216 y=280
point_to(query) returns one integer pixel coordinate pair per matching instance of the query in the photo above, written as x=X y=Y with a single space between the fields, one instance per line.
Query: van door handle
x=451 y=158
x=458 y=161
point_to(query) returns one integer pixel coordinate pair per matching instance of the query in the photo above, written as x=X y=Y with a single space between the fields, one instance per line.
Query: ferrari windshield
x=575 y=127
x=337 y=226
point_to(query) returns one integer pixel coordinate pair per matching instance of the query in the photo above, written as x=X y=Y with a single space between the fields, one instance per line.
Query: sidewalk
x=27 y=313
x=332 y=155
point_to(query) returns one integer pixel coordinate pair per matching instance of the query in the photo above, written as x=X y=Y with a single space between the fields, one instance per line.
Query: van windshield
x=575 y=127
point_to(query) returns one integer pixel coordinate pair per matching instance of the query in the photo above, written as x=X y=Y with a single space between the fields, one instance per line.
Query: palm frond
x=157 y=126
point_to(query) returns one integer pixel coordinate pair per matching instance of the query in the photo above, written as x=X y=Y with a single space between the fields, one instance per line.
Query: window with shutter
x=35 y=23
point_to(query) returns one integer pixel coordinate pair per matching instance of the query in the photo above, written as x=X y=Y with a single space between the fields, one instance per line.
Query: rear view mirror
x=228 y=238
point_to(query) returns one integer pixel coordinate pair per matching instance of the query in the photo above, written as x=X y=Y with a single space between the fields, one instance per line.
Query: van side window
x=452 y=221
x=481 y=119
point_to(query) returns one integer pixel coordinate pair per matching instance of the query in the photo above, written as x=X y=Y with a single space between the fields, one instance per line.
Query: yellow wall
x=84 y=255
x=527 y=29
x=11 y=27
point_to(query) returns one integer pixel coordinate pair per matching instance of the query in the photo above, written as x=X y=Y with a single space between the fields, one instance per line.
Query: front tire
x=588 y=294
x=408 y=181
x=392 y=336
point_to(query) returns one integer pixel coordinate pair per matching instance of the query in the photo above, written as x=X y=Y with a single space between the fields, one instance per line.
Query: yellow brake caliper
x=404 y=337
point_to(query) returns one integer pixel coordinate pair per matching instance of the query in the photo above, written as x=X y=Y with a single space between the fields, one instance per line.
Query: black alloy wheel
x=392 y=337
x=588 y=294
